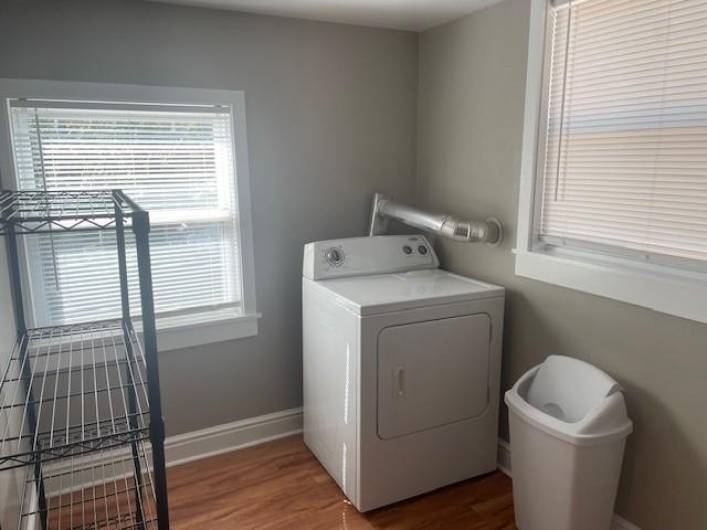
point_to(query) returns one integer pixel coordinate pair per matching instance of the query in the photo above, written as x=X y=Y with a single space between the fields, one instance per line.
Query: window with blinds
x=175 y=162
x=622 y=165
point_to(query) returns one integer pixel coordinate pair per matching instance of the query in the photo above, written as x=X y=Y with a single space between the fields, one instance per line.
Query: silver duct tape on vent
x=489 y=231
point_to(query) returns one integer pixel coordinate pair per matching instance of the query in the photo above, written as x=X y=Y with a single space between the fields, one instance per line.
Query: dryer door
x=432 y=373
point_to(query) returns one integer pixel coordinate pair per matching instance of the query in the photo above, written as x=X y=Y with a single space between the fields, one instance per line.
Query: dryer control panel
x=364 y=256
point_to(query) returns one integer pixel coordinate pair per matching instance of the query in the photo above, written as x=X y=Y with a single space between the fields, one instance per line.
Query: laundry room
x=377 y=264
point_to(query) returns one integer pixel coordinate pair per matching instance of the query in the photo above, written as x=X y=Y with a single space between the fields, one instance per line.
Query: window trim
x=661 y=287
x=171 y=334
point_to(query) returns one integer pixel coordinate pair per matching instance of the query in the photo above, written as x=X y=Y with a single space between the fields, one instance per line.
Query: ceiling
x=414 y=15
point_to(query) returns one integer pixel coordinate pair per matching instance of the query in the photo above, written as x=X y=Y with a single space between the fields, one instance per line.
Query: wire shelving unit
x=80 y=404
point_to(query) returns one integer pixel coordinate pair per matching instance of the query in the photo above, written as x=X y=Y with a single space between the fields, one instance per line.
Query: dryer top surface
x=383 y=293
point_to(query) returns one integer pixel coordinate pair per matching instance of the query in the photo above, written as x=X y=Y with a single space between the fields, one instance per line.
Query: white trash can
x=568 y=426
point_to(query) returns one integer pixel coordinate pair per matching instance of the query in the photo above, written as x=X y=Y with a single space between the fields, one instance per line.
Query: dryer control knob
x=334 y=256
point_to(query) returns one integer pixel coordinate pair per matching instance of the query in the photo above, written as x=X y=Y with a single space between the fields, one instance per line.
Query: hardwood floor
x=280 y=485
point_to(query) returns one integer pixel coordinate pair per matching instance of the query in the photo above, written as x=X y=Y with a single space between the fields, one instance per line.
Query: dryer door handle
x=399 y=382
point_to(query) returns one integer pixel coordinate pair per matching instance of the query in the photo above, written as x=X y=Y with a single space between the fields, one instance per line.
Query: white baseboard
x=184 y=448
x=504 y=456
x=504 y=465
x=619 y=523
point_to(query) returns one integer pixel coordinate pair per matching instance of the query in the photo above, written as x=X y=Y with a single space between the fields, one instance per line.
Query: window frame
x=202 y=327
x=660 y=285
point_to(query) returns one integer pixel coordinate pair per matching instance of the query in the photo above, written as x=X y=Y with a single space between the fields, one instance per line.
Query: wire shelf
x=39 y=211
x=96 y=492
x=72 y=390
x=80 y=404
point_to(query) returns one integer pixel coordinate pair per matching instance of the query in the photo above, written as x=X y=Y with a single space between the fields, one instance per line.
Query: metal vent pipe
x=489 y=231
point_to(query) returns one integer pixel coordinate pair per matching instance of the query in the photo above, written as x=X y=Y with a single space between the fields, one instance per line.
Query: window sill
x=178 y=333
x=663 y=289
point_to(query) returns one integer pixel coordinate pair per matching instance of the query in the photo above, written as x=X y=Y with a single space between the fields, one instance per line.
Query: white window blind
x=622 y=164
x=175 y=162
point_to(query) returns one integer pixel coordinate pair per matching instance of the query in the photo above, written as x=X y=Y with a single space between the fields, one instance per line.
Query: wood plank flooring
x=280 y=485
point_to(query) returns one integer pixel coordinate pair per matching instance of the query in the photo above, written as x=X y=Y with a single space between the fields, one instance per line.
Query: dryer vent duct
x=489 y=231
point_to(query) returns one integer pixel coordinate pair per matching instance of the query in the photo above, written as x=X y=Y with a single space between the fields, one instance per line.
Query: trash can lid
x=567 y=388
x=571 y=399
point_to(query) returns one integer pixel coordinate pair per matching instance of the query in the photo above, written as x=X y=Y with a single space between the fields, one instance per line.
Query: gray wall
x=472 y=78
x=331 y=113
